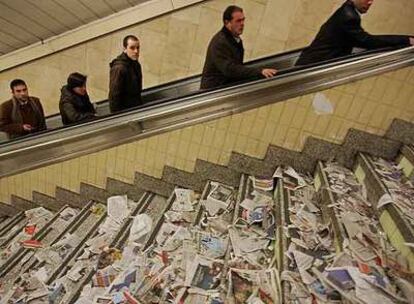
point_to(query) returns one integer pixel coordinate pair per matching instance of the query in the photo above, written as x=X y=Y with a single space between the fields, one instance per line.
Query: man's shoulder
x=219 y=39
x=119 y=67
x=35 y=99
x=347 y=12
x=6 y=108
x=7 y=104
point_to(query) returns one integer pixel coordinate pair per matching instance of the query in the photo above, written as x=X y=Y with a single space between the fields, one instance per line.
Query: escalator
x=284 y=63
x=186 y=86
x=180 y=103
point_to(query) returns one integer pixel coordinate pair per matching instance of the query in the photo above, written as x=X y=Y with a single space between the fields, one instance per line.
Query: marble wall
x=174 y=45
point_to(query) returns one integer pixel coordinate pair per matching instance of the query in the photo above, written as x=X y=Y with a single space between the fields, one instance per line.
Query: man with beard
x=22 y=114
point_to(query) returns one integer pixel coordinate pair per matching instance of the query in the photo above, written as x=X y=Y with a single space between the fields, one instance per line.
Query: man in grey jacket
x=224 y=61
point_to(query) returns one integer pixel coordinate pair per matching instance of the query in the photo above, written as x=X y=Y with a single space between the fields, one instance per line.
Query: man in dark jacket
x=224 y=61
x=125 y=82
x=342 y=32
x=23 y=114
x=75 y=105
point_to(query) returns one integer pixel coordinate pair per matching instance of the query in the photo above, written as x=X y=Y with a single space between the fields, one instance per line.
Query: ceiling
x=24 y=22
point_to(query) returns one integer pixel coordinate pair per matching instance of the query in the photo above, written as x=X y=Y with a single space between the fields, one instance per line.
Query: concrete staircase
x=80 y=216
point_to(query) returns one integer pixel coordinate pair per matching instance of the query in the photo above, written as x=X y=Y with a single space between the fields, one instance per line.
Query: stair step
x=84 y=230
x=12 y=268
x=160 y=219
x=264 y=260
x=34 y=264
x=7 y=211
x=158 y=209
x=89 y=192
x=22 y=204
x=291 y=199
x=151 y=204
x=116 y=241
x=47 y=201
x=394 y=221
x=345 y=208
x=366 y=212
x=68 y=197
x=11 y=239
x=327 y=200
x=116 y=187
x=406 y=161
x=10 y=222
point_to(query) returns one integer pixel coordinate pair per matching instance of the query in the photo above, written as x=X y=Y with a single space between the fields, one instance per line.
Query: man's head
x=362 y=5
x=233 y=19
x=131 y=47
x=77 y=83
x=19 y=90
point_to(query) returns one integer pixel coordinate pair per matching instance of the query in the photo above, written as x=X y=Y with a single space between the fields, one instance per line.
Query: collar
x=21 y=103
x=230 y=35
x=355 y=9
x=127 y=59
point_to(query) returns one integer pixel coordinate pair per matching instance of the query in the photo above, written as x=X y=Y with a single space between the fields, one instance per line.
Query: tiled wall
x=368 y=105
x=174 y=45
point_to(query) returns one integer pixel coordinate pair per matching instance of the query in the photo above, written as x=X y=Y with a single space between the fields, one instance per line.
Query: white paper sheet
x=322 y=105
x=118 y=208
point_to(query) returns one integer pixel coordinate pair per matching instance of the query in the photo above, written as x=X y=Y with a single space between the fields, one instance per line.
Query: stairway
x=359 y=217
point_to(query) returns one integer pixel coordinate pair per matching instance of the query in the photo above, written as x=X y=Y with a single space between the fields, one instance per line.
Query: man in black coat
x=224 y=61
x=125 y=81
x=75 y=105
x=342 y=32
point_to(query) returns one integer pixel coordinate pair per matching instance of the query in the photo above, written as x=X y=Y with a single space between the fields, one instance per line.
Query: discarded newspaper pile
x=252 y=276
x=310 y=240
x=22 y=234
x=19 y=286
x=401 y=189
x=367 y=270
x=189 y=260
x=365 y=241
x=220 y=247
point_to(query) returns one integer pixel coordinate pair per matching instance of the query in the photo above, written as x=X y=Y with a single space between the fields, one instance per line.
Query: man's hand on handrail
x=268 y=73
